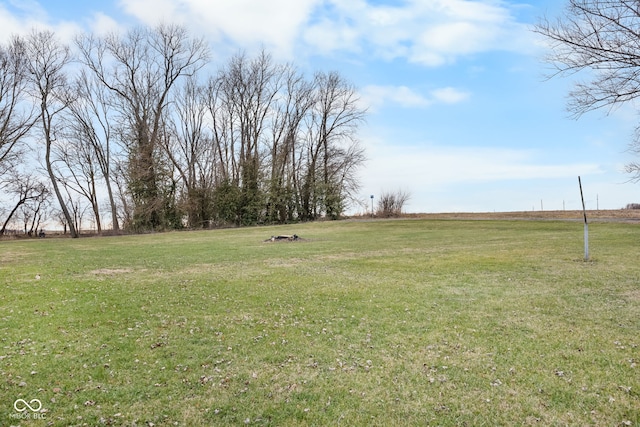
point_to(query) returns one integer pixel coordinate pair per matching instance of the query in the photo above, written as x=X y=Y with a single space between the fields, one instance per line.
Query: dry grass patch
x=633 y=295
x=110 y=271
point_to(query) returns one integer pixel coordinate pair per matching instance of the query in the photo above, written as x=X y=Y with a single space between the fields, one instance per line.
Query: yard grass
x=405 y=322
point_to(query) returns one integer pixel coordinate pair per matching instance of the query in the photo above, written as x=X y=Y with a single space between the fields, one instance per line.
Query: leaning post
x=586 y=224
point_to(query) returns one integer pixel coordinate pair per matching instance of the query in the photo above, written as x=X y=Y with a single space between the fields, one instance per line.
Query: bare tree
x=61 y=218
x=286 y=146
x=33 y=213
x=333 y=150
x=224 y=142
x=141 y=68
x=16 y=117
x=78 y=208
x=221 y=129
x=123 y=197
x=289 y=112
x=188 y=146
x=47 y=60
x=391 y=203
x=250 y=87
x=240 y=101
x=601 y=37
x=26 y=189
x=90 y=127
x=80 y=172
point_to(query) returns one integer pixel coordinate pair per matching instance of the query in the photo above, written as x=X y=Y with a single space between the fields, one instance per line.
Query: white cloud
x=450 y=95
x=275 y=24
x=374 y=97
x=449 y=40
x=327 y=36
x=22 y=17
x=18 y=18
x=9 y=24
x=102 y=24
x=152 y=12
x=431 y=33
x=31 y=8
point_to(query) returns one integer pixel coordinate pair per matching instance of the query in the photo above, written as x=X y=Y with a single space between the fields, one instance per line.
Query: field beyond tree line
x=613 y=215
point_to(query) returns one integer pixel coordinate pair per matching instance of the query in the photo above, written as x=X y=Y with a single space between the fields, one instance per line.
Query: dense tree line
x=133 y=126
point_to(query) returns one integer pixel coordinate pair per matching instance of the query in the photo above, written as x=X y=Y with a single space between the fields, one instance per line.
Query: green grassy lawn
x=405 y=322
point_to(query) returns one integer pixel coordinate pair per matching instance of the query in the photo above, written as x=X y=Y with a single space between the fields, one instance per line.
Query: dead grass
x=633 y=295
x=110 y=271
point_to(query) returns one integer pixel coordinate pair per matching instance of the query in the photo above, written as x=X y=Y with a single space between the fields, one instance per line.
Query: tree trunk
x=56 y=189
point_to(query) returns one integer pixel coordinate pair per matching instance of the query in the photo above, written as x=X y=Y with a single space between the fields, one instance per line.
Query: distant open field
x=615 y=215
x=387 y=322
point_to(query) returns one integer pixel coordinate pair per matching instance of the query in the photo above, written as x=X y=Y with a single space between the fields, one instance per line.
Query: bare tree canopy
x=89 y=129
x=16 y=118
x=601 y=37
x=141 y=69
x=47 y=61
x=28 y=190
x=140 y=132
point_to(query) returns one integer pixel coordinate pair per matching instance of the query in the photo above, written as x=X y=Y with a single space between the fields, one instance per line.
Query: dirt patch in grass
x=7 y=257
x=110 y=271
x=208 y=268
x=286 y=262
x=633 y=295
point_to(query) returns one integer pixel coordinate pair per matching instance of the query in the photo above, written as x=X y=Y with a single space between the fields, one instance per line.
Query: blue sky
x=460 y=113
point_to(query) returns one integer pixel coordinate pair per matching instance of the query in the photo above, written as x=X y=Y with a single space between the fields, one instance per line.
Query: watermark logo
x=22 y=405
x=27 y=410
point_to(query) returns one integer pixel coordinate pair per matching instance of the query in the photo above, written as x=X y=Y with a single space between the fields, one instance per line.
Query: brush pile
x=283 y=238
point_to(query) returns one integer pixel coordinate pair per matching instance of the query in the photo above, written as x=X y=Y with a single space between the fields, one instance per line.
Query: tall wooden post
x=586 y=224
